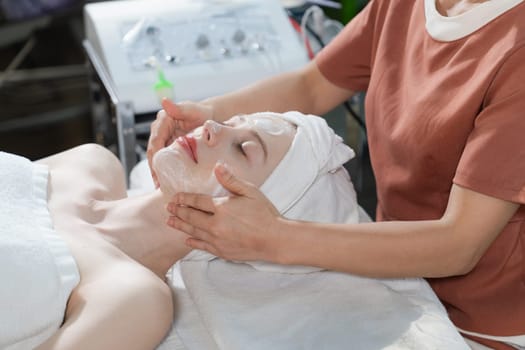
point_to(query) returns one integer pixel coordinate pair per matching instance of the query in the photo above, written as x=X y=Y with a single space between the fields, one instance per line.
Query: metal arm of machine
x=125 y=117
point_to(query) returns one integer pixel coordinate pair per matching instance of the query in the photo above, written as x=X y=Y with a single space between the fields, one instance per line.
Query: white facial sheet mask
x=215 y=128
x=271 y=125
x=174 y=176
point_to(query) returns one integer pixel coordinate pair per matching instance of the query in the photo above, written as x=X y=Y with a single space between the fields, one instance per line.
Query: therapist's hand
x=172 y=121
x=243 y=226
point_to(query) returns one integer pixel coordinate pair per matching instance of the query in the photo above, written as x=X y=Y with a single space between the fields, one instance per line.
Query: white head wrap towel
x=310 y=183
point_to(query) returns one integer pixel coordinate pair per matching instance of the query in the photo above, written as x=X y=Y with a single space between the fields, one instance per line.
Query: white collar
x=444 y=28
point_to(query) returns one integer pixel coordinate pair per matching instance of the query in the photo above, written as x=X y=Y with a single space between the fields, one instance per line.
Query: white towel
x=310 y=182
x=235 y=306
x=37 y=271
x=240 y=307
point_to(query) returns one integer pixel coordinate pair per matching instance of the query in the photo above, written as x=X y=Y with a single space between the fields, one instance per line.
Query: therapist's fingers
x=189 y=229
x=242 y=188
x=202 y=245
x=187 y=114
x=172 y=110
x=201 y=202
x=193 y=220
x=232 y=183
x=161 y=133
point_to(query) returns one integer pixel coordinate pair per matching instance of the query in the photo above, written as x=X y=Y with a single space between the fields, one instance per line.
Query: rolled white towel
x=37 y=270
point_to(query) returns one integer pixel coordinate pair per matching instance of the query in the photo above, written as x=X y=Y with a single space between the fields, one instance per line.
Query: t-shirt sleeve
x=346 y=60
x=493 y=161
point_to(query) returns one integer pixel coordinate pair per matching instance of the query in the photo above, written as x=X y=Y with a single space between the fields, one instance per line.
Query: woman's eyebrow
x=260 y=140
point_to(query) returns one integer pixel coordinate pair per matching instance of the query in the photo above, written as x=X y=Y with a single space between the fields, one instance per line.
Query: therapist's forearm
x=277 y=94
x=382 y=249
x=304 y=90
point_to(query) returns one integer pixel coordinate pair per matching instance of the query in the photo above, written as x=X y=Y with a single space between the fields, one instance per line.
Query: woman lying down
x=83 y=265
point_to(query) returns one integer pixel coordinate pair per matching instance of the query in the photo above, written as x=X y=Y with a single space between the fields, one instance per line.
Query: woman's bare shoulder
x=88 y=168
x=126 y=306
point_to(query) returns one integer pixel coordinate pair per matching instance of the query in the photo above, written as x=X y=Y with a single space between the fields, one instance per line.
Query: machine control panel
x=204 y=47
x=189 y=41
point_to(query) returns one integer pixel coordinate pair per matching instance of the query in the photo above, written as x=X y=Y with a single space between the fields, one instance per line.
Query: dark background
x=44 y=102
x=44 y=85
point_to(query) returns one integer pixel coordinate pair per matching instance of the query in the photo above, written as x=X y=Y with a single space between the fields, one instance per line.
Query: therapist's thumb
x=231 y=182
x=172 y=110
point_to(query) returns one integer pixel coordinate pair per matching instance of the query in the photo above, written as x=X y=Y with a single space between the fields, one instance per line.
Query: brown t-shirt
x=440 y=113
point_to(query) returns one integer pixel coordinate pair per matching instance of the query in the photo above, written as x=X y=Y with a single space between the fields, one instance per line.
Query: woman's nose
x=212 y=130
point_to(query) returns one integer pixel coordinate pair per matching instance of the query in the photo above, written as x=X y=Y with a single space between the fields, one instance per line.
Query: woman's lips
x=189 y=144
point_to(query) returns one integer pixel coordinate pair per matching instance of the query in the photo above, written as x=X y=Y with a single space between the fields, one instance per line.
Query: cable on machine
x=299 y=20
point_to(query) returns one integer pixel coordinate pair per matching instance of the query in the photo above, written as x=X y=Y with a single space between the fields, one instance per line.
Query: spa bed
x=230 y=306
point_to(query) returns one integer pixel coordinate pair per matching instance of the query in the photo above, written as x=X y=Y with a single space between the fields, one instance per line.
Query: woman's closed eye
x=250 y=149
x=241 y=149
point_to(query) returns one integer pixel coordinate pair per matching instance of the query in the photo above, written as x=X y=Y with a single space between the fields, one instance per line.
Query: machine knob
x=152 y=30
x=172 y=59
x=257 y=46
x=202 y=41
x=239 y=36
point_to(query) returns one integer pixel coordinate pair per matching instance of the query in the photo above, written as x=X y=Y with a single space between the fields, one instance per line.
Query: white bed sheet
x=335 y=310
x=355 y=312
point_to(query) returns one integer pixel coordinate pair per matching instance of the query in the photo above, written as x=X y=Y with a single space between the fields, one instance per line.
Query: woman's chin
x=167 y=191
x=171 y=186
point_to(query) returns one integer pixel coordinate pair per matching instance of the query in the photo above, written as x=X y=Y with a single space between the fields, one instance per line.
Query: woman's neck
x=137 y=226
x=450 y=8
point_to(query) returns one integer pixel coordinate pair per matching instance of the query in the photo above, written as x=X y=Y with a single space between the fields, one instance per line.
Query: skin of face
x=250 y=149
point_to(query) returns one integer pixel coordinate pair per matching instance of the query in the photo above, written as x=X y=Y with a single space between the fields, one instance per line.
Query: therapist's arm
x=247 y=227
x=449 y=246
x=305 y=90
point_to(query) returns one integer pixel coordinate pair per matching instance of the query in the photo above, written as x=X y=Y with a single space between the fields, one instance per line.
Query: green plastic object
x=163 y=87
